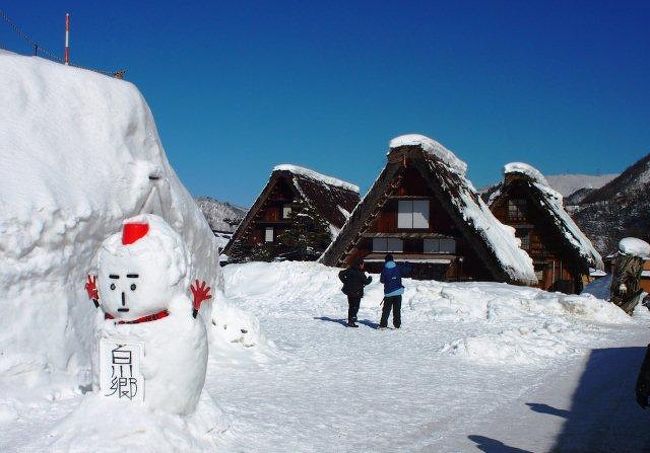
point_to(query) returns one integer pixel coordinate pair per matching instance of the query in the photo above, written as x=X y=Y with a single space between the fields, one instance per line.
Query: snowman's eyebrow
x=132 y=275
x=113 y=276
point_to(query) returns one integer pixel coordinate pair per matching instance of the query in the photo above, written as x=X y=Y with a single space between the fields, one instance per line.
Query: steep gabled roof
x=551 y=203
x=444 y=173
x=332 y=198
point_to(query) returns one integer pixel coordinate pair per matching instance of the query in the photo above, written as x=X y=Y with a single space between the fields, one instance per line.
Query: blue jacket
x=392 y=280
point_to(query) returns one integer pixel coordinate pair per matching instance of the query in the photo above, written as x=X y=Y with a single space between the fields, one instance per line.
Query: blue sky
x=238 y=87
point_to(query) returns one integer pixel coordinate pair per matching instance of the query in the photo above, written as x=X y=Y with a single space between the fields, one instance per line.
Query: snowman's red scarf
x=154 y=317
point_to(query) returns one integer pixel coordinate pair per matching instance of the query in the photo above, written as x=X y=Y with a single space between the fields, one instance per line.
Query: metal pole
x=66 y=55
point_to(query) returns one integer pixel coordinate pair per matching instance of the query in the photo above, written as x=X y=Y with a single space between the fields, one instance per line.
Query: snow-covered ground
x=474 y=365
x=473 y=362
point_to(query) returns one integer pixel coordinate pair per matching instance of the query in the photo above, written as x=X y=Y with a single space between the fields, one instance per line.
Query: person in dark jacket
x=354 y=279
x=393 y=290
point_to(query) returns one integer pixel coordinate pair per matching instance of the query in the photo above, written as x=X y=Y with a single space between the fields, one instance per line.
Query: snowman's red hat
x=131 y=232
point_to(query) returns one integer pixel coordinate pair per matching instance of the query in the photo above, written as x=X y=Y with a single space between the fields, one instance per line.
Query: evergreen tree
x=239 y=252
x=242 y=252
x=307 y=236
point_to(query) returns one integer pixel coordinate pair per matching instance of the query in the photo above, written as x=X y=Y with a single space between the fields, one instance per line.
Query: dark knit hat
x=388 y=258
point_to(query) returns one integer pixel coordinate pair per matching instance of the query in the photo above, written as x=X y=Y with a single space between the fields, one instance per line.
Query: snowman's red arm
x=91 y=289
x=200 y=292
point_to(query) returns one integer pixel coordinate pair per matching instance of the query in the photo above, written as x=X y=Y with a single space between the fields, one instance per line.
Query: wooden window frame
x=438 y=249
x=412 y=214
x=387 y=248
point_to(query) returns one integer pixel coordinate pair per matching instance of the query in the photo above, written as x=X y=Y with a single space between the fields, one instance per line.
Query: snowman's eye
x=132 y=286
x=112 y=285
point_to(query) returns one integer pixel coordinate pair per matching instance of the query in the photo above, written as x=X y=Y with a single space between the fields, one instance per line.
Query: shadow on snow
x=344 y=322
x=493 y=446
x=604 y=415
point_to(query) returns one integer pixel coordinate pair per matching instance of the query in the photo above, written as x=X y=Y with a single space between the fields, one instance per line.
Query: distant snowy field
x=474 y=364
x=567 y=184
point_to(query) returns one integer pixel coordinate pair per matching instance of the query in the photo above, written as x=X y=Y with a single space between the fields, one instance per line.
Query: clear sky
x=238 y=87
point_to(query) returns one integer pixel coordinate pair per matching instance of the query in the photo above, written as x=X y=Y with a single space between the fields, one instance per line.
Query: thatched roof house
x=289 y=189
x=424 y=211
x=561 y=253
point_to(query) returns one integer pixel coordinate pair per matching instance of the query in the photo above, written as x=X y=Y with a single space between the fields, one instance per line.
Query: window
x=387 y=245
x=444 y=245
x=286 y=211
x=268 y=237
x=517 y=209
x=413 y=214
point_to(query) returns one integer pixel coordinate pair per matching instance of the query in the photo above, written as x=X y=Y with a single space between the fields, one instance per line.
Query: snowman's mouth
x=123 y=309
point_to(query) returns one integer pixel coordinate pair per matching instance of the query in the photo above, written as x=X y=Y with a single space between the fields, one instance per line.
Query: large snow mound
x=79 y=153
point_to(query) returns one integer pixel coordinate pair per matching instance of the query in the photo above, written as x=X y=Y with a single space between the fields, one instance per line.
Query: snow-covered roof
x=308 y=173
x=432 y=147
x=634 y=247
x=525 y=169
x=332 y=198
x=553 y=201
x=448 y=171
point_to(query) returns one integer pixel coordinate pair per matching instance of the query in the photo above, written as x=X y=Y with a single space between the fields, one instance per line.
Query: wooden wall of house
x=645 y=279
x=270 y=213
x=465 y=264
x=555 y=264
x=413 y=185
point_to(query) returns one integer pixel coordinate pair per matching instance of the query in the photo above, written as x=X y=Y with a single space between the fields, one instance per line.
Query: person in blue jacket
x=393 y=290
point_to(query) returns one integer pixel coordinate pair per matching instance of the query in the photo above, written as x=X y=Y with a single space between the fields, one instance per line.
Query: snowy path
x=587 y=405
x=332 y=388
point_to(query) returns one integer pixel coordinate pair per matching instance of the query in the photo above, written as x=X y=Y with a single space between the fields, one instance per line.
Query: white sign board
x=119 y=374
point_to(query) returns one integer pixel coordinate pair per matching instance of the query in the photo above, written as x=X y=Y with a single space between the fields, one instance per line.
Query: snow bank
x=490 y=323
x=79 y=152
x=635 y=247
x=311 y=174
x=431 y=146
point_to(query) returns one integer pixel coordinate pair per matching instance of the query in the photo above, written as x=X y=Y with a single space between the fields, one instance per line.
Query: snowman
x=158 y=348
